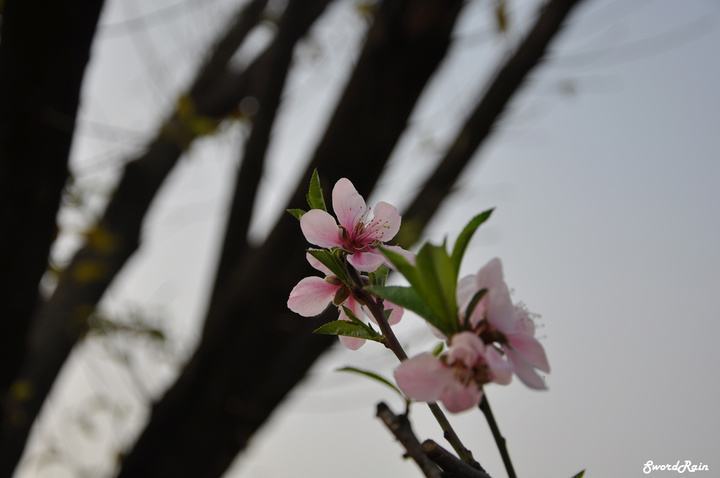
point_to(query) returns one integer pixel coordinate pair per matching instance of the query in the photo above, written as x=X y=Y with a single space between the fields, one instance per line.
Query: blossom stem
x=452 y=438
x=376 y=309
x=499 y=439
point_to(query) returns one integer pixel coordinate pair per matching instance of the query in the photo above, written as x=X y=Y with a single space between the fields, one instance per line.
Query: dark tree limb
x=485 y=114
x=42 y=63
x=269 y=91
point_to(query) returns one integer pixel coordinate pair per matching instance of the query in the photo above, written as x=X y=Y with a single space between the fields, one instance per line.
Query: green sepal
x=315 y=197
x=373 y=376
x=580 y=475
x=438 y=349
x=297 y=213
x=331 y=260
x=464 y=238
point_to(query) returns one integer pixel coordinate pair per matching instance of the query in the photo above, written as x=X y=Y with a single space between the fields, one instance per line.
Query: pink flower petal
x=320 y=228
x=311 y=296
x=348 y=204
x=523 y=322
x=500 y=309
x=530 y=349
x=525 y=372
x=352 y=343
x=467 y=348
x=366 y=261
x=490 y=276
x=500 y=370
x=354 y=306
x=385 y=223
x=396 y=314
x=459 y=398
x=423 y=377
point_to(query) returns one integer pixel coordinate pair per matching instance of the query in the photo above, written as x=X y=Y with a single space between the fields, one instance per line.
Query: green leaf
x=580 y=475
x=439 y=284
x=373 y=376
x=434 y=282
x=408 y=298
x=379 y=277
x=438 y=349
x=403 y=266
x=348 y=329
x=359 y=322
x=297 y=213
x=464 y=238
x=332 y=261
x=315 y=197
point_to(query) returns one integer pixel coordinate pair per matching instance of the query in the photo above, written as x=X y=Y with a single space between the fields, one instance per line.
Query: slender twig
x=452 y=438
x=400 y=427
x=499 y=439
x=376 y=309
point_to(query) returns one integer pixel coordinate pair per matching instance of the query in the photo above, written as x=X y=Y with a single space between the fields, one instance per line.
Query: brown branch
x=400 y=427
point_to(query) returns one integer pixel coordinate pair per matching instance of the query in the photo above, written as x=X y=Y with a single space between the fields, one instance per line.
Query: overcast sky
x=604 y=177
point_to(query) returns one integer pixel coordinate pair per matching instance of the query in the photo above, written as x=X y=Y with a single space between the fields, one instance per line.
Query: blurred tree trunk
x=44 y=50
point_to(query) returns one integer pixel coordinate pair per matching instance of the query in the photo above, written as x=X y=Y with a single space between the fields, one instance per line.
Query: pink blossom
x=497 y=320
x=456 y=377
x=356 y=233
x=312 y=295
